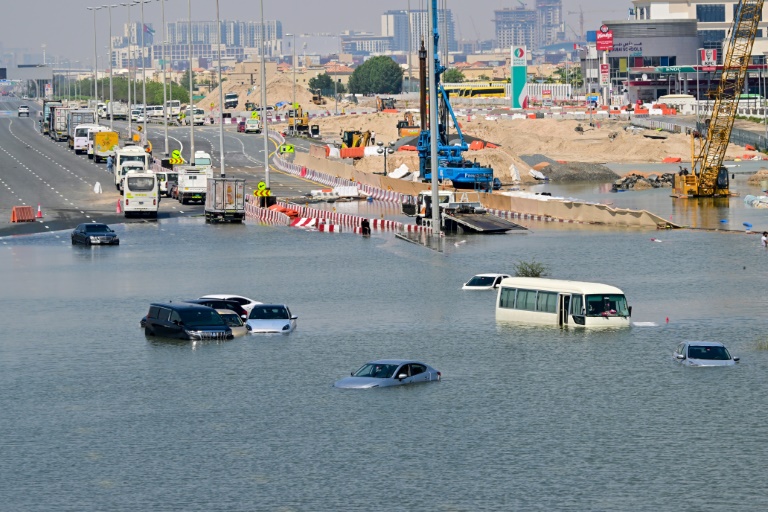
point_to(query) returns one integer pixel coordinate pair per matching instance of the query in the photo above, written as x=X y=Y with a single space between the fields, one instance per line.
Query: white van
x=197 y=117
x=80 y=139
x=141 y=195
x=133 y=157
x=534 y=300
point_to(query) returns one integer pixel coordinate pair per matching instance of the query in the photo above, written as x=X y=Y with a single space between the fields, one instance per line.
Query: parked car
x=185 y=321
x=245 y=302
x=252 y=126
x=23 y=110
x=389 y=372
x=484 y=282
x=94 y=234
x=704 y=353
x=221 y=304
x=271 y=318
x=241 y=126
x=234 y=322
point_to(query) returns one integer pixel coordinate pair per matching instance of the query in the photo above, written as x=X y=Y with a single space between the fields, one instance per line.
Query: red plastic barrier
x=476 y=145
x=749 y=147
x=407 y=148
x=22 y=214
x=491 y=145
x=671 y=160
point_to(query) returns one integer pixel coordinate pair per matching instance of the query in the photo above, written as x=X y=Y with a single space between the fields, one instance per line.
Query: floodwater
x=95 y=416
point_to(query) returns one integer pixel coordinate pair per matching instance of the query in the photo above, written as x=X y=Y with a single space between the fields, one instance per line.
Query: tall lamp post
x=698 y=90
x=111 y=107
x=191 y=116
x=95 y=55
x=166 y=117
x=130 y=65
x=389 y=149
x=264 y=95
x=143 y=74
x=221 y=98
x=293 y=65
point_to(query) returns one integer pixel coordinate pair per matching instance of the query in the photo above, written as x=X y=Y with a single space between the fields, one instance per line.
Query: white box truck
x=225 y=200
x=129 y=157
x=193 y=183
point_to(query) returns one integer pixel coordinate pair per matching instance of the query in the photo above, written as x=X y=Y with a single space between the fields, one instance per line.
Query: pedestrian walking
x=764 y=239
x=110 y=166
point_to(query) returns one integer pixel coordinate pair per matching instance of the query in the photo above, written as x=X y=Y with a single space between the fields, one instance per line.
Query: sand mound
x=280 y=88
x=761 y=175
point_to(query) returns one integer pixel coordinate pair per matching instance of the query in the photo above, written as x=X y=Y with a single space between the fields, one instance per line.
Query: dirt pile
x=279 y=88
x=761 y=175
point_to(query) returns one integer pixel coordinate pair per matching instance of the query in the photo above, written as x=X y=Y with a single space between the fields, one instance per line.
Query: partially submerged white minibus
x=535 y=300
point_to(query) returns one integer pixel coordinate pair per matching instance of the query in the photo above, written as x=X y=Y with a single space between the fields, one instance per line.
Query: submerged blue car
x=389 y=372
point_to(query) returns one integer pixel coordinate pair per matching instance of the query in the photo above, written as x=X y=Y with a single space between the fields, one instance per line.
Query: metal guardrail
x=739 y=137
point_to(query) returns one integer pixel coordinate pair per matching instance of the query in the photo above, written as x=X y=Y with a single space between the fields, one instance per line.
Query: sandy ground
x=279 y=89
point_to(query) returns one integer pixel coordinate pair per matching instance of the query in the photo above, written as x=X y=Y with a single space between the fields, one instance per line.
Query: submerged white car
x=704 y=353
x=385 y=373
x=484 y=282
x=243 y=301
x=270 y=318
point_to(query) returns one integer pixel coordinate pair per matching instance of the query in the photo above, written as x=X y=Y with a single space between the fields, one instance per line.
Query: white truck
x=225 y=200
x=193 y=183
x=116 y=109
x=80 y=136
x=197 y=117
x=76 y=118
x=140 y=194
x=129 y=157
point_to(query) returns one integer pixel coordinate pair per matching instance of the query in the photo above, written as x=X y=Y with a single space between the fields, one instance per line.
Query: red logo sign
x=604 y=29
x=604 y=41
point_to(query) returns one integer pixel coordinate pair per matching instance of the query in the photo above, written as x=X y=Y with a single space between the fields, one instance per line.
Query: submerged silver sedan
x=704 y=353
x=389 y=372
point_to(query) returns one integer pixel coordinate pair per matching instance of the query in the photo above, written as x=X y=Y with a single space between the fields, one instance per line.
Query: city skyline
x=473 y=20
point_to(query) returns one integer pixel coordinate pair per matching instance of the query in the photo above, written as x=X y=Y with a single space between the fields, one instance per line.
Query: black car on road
x=185 y=321
x=94 y=234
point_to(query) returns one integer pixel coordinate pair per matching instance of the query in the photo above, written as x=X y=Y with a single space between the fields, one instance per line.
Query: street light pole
x=293 y=65
x=221 y=98
x=191 y=117
x=698 y=90
x=165 y=81
x=143 y=75
x=111 y=106
x=95 y=55
x=130 y=64
x=264 y=130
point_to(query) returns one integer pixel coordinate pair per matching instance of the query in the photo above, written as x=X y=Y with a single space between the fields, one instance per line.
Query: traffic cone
x=119 y=208
x=39 y=212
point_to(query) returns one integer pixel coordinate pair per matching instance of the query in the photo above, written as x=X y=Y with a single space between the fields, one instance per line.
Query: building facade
x=550 y=25
x=395 y=24
x=516 y=27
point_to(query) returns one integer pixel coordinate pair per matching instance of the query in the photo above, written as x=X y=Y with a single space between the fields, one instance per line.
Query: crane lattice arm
x=709 y=178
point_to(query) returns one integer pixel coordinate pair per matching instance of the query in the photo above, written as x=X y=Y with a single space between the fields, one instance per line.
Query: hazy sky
x=67 y=27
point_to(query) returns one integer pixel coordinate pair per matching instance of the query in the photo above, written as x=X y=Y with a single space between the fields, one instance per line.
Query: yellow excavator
x=355 y=138
x=708 y=177
x=299 y=121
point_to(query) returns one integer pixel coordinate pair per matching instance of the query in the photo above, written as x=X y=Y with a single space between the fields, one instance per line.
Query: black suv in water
x=185 y=321
x=221 y=304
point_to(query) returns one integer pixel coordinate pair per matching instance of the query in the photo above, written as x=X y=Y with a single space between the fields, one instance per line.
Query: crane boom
x=709 y=178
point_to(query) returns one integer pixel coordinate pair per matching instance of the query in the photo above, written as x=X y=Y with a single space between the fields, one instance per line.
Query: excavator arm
x=709 y=178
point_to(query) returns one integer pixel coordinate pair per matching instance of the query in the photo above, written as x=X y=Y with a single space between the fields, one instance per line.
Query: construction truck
x=708 y=177
x=385 y=104
x=317 y=98
x=225 y=200
x=250 y=106
x=407 y=127
x=355 y=138
x=298 y=121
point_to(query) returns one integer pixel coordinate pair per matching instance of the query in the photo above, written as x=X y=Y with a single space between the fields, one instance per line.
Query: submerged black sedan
x=94 y=234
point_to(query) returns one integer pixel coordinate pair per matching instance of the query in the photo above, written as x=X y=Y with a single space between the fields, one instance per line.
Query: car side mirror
x=244 y=317
x=402 y=376
x=294 y=317
x=736 y=359
x=680 y=356
x=351 y=374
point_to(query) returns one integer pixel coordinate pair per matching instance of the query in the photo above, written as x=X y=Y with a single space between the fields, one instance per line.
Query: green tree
x=324 y=84
x=377 y=75
x=453 y=76
x=484 y=78
x=531 y=268
x=185 y=80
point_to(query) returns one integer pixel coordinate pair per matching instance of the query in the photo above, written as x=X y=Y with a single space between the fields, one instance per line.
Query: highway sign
x=262 y=190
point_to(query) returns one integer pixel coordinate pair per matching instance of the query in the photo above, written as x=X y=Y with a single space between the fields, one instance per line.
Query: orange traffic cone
x=119 y=208
x=39 y=212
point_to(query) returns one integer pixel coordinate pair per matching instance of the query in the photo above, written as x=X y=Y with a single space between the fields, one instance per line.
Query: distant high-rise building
x=549 y=22
x=516 y=27
x=394 y=24
x=235 y=33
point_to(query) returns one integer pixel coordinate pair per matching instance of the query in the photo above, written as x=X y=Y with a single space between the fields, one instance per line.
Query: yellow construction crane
x=708 y=177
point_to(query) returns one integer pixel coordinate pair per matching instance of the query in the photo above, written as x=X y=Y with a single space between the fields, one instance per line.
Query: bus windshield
x=607 y=305
x=141 y=184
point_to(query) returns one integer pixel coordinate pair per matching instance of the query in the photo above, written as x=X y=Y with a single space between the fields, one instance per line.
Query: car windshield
x=269 y=313
x=231 y=319
x=96 y=228
x=201 y=317
x=481 y=281
x=377 y=371
x=607 y=305
x=712 y=353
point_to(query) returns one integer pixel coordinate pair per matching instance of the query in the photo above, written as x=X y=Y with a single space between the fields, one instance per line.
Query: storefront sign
x=709 y=57
x=604 y=40
x=605 y=75
x=519 y=77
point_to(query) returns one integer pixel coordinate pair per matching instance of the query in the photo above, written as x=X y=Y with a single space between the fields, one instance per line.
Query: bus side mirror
x=630 y=310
